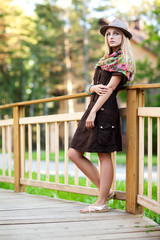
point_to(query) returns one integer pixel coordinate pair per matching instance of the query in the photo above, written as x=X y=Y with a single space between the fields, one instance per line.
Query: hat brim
x=104 y=28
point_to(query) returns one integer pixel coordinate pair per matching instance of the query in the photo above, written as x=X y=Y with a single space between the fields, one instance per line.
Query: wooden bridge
x=29 y=217
x=17 y=208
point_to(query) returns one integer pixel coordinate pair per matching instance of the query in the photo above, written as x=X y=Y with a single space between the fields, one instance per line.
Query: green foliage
x=32 y=51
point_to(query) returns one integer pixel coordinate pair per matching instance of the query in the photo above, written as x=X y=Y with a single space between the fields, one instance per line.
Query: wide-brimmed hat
x=117 y=24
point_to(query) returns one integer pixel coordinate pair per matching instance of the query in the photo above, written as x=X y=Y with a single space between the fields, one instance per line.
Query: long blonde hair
x=126 y=50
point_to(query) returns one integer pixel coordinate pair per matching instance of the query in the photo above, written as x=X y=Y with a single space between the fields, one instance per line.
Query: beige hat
x=117 y=24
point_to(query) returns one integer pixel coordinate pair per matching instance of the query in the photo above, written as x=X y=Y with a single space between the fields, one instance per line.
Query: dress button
x=112 y=126
x=101 y=126
x=102 y=109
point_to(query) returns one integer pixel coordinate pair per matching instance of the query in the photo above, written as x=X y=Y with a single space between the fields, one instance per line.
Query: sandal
x=96 y=209
x=111 y=195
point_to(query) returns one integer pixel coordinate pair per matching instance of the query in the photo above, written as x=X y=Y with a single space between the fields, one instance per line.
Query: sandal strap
x=94 y=208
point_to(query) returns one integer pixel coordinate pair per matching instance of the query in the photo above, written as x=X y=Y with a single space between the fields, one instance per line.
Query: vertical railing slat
x=158 y=160
x=99 y=166
x=57 y=152
x=38 y=152
x=22 y=147
x=47 y=151
x=66 y=143
x=22 y=128
x=141 y=155
x=30 y=149
x=88 y=182
x=4 y=150
x=76 y=179
x=9 y=151
x=150 y=157
x=114 y=169
x=17 y=112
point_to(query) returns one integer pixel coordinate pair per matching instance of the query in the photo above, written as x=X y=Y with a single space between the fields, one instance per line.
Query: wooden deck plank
x=98 y=236
x=24 y=216
x=61 y=232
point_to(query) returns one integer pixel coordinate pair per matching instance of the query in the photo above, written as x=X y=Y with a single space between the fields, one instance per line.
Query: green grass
x=121 y=157
x=118 y=204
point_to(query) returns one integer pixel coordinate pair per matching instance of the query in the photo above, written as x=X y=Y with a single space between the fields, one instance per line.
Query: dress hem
x=96 y=151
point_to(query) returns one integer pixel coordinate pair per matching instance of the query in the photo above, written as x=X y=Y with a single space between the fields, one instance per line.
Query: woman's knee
x=73 y=154
x=70 y=153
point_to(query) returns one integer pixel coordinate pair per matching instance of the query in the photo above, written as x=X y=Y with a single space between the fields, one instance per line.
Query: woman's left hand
x=90 y=120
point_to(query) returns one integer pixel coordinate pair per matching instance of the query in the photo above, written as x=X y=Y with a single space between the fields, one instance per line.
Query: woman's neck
x=115 y=49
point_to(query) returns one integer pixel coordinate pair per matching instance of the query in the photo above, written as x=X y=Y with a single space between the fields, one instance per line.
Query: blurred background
x=50 y=47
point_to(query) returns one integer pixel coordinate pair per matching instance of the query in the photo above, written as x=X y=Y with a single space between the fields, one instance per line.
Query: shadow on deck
x=24 y=216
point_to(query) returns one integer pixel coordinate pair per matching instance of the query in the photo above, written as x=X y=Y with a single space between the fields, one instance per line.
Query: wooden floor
x=27 y=217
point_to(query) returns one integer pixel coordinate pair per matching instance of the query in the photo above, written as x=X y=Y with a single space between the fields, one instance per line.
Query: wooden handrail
x=78 y=95
x=52 y=99
x=144 y=86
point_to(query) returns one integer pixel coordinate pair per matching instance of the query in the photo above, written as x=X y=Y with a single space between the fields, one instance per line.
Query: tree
x=47 y=53
x=15 y=29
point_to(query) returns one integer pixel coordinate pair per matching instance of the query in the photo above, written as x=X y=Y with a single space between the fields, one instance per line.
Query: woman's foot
x=98 y=205
x=95 y=209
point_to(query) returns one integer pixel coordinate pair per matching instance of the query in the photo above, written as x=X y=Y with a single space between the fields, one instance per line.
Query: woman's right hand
x=100 y=89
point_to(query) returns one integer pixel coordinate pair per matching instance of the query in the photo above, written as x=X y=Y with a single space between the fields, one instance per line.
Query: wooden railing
x=147 y=201
x=14 y=130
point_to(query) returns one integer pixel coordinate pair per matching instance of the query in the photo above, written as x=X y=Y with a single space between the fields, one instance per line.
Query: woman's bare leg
x=86 y=166
x=106 y=178
x=110 y=191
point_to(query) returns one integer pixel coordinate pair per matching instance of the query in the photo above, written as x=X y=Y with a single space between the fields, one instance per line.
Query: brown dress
x=105 y=137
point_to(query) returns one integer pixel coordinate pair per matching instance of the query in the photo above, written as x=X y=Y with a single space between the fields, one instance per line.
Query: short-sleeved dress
x=105 y=137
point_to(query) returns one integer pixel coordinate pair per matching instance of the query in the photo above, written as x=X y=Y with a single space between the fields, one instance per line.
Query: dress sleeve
x=123 y=80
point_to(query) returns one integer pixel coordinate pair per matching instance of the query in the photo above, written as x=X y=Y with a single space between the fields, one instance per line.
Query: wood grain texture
x=57 y=152
x=47 y=150
x=25 y=216
x=149 y=203
x=16 y=147
x=74 y=96
x=52 y=118
x=66 y=145
x=4 y=151
x=9 y=143
x=38 y=136
x=149 y=157
x=44 y=100
x=76 y=179
x=30 y=149
x=149 y=111
x=132 y=152
x=141 y=155
x=22 y=131
x=113 y=155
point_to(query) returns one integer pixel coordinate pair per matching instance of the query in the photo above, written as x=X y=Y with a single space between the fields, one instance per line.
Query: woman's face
x=114 y=38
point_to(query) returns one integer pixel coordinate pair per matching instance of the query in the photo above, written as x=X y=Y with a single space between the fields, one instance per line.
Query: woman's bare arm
x=111 y=86
x=100 y=89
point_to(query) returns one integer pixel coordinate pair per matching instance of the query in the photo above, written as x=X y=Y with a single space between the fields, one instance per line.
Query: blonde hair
x=126 y=50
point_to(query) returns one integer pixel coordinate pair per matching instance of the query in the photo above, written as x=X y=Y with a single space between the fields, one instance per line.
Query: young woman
x=99 y=129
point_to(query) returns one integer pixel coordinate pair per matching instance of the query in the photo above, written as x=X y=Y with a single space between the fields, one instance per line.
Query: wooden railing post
x=18 y=111
x=135 y=98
